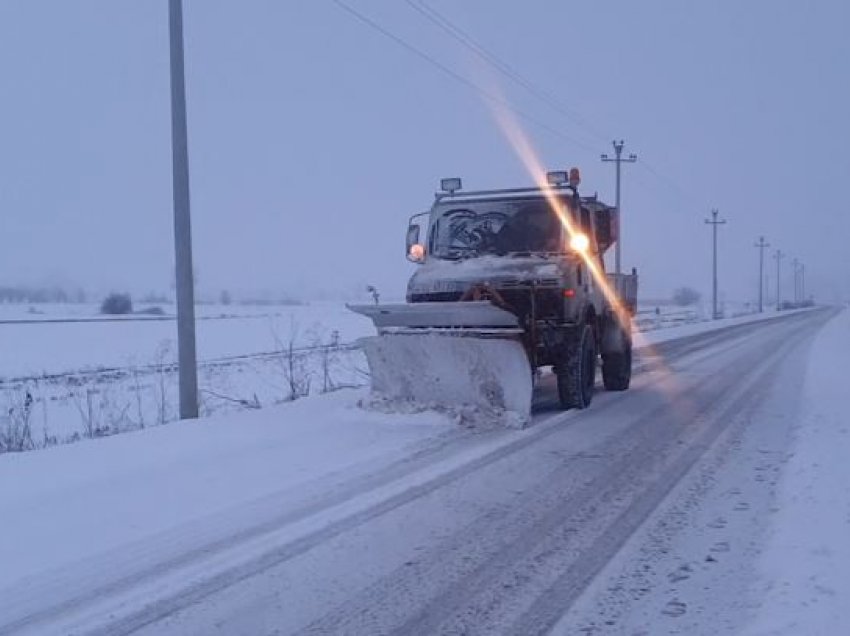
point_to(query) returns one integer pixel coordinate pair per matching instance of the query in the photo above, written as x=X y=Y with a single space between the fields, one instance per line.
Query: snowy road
x=477 y=532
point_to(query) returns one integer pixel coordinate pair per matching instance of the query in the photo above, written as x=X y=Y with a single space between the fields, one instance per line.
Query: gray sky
x=313 y=137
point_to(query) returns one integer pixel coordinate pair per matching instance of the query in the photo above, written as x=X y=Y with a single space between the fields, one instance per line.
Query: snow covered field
x=35 y=346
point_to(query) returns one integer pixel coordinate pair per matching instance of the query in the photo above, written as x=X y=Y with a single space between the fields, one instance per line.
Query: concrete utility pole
x=802 y=282
x=618 y=159
x=182 y=224
x=714 y=223
x=796 y=270
x=761 y=245
x=778 y=256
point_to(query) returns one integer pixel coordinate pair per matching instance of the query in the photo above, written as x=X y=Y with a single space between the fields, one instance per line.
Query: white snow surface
x=70 y=502
x=805 y=567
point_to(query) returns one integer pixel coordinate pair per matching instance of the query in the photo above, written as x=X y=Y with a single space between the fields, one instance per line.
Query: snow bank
x=477 y=379
x=806 y=564
x=649 y=338
x=70 y=502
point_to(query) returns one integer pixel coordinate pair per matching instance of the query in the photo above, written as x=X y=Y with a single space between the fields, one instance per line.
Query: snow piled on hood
x=485 y=267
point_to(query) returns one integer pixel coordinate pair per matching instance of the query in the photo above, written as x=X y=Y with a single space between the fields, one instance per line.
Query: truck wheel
x=576 y=373
x=617 y=367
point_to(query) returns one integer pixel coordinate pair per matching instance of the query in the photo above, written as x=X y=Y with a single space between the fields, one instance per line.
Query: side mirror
x=414 y=247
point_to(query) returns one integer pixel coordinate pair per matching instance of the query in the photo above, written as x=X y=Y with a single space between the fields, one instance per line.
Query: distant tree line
x=23 y=294
x=686 y=296
x=20 y=294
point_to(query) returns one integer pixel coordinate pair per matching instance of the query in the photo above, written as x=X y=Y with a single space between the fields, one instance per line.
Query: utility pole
x=778 y=256
x=714 y=223
x=802 y=282
x=618 y=159
x=187 y=362
x=795 y=267
x=761 y=245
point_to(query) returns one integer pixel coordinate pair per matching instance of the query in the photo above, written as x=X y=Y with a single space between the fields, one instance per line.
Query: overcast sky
x=313 y=136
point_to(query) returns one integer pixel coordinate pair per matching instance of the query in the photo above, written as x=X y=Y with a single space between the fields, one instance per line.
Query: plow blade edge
x=464 y=355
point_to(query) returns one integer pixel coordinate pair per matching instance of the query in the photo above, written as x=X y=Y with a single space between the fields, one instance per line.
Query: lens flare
x=579 y=242
x=669 y=381
x=522 y=146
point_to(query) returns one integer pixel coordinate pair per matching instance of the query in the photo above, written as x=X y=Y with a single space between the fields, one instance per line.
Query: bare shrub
x=117 y=304
x=86 y=410
x=15 y=427
x=137 y=390
x=328 y=351
x=164 y=366
x=293 y=365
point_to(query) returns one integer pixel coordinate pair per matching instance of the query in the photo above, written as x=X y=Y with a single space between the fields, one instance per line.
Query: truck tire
x=617 y=366
x=576 y=372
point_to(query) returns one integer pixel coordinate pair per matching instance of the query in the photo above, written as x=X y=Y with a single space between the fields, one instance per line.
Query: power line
x=675 y=187
x=488 y=56
x=500 y=65
x=460 y=34
x=457 y=76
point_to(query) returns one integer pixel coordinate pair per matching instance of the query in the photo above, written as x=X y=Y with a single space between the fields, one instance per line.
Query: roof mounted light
x=450 y=185
x=557 y=178
x=575 y=177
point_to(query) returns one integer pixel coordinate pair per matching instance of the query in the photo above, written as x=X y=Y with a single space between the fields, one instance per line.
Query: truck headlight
x=417 y=253
x=579 y=242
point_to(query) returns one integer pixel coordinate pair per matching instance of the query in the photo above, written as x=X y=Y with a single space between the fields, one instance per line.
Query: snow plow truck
x=509 y=282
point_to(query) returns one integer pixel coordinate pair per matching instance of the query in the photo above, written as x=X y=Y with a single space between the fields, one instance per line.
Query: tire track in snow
x=582 y=527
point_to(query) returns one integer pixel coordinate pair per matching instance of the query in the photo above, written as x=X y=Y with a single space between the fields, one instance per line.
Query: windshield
x=496 y=227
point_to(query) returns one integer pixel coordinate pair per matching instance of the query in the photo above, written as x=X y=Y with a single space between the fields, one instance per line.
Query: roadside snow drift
x=464 y=375
x=805 y=567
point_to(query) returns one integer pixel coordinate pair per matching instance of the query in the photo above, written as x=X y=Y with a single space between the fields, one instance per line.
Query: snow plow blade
x=465 y=357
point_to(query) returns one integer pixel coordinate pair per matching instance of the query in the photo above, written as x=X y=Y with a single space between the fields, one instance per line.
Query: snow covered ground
x=105 y=527
x=805 y=567
x=111 y=491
